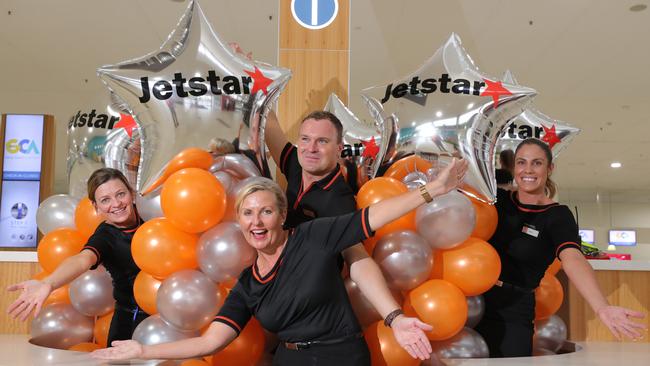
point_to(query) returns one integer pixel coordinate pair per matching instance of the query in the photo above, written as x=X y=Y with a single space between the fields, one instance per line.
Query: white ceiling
x=588 y=59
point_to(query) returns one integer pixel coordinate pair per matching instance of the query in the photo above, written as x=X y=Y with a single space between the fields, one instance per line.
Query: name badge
x=530 y=230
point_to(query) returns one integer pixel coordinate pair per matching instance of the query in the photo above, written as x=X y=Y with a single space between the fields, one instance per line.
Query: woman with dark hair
x=504 y=175
x=110 y=245
x=532 y=231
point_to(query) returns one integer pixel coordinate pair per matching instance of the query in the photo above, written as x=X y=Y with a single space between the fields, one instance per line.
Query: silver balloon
x=405 y=259
x=91 y=294
x=533 y=123
x=223 y=252
x=363 y=309
x=188 y=300
x=226 y=180
x=56 y=212
x=361 y=142
x=550 y=333
x=192 y=89
x=475 y=310
x=447 y=108
x=237 y=165
x=149 y=205
x=61 y=326
x=466 y=344
x=154 y=330
x=447 y=221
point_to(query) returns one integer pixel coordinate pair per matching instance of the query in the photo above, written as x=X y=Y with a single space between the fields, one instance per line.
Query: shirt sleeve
x=338 y=233
x=563 y=230
x=100 y=244
x=288 y=158
x=234 y=312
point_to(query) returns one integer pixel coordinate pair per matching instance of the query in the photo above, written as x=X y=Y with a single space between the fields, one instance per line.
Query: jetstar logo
x=92 y=119
x=445 y=84
x=365 y=149
x=195 y=86
x=523 y=132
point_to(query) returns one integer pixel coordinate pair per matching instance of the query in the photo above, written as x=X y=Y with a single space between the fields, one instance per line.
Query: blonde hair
x=262 y=184
x=219 y=146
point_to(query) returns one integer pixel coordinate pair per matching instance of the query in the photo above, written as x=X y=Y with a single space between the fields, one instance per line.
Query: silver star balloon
x=533 y=123
x=191 y=90
x=360 y=143
x=447 y=108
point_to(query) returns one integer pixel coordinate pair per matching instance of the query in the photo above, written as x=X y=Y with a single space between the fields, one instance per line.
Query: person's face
x=532 y=169
x=318 y=147
x=114 y=201
x=261 y=220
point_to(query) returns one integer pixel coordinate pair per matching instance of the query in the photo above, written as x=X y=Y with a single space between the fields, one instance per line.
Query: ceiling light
x=638 y=7
x=616 y=164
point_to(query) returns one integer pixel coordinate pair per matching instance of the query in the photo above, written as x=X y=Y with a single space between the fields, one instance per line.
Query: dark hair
x=103 y=175
x=330 y=117
x=507 y=159
x=551 y=187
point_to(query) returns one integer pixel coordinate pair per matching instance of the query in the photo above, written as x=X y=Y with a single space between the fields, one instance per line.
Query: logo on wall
x=314 y=14
x=24 y=146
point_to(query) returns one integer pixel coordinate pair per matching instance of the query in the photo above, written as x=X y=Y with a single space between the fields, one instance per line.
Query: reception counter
x=624 y=283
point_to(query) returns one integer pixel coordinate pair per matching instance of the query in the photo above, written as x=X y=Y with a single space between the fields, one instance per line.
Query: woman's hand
x=121 y=350
x=617 y=319
x=409 y=333
x=32 y=298
x=451 y=177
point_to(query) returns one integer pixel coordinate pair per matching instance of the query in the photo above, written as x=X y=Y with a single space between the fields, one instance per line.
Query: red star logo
x=494 y=89
x=370 y=148
x=550 y=136
x=127 y=123
x=260 y=82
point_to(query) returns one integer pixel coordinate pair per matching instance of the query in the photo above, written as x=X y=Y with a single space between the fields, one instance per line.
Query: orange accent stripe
x=563 y=245
x=230 y=321
x=512 y=197
x=333 y=179
x=130 y=231
x=258 y=277
x=94 y=250
x=284 y=158
x=363 y=222
x=301 y=193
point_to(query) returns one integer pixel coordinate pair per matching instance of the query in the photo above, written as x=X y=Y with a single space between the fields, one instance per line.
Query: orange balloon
x=60 y=295
x=84 y=347
x=192 y=157
x=407 y=165
x=86 y=219
x=57 y=245
x=193 y=200
x=486 y=219
x=439 y=304
x=145 y=289
x=548 y=297
x=245 y=350
x=160 y=249
x=384 y=349
x=554 y=268
x=379 y=189
x=195 y=362
x=474 y=266
x=102 y=325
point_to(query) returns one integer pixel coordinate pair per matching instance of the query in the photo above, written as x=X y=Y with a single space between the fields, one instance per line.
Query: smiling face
x=318 y=147
x=261 y=220
x=532 y=169
x=114 y=201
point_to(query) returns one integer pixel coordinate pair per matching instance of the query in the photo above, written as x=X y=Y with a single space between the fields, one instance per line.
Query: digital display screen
x=587 y=235
x=622 y=237
x=18 y=214
x=23 y=144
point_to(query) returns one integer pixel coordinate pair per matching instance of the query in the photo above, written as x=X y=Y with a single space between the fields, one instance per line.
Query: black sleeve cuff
x=365 y=223
x=99 y=257
x=566 y=245
x=229 y=322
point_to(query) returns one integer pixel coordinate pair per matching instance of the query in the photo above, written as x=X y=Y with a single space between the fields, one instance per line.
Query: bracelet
x=391 y=316
x=425 y=194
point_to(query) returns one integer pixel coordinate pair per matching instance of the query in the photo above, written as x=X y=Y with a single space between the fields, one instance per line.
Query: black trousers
x=508 y=323
x=124 y=323
x=350 y=353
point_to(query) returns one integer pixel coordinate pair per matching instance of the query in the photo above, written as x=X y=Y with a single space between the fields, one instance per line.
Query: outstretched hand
x=617 y=319
x=32 y=298
x=452 y=176
x=121 y=350
x=409 y=333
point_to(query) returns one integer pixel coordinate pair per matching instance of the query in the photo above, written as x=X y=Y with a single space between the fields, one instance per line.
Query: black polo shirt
x=529 y=237
x=330 y=196
x=112 y=246
x=303 y=297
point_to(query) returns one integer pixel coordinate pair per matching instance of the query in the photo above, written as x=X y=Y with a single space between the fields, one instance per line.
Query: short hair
x=330 y=117
x=262 y=184
x=103 y=175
